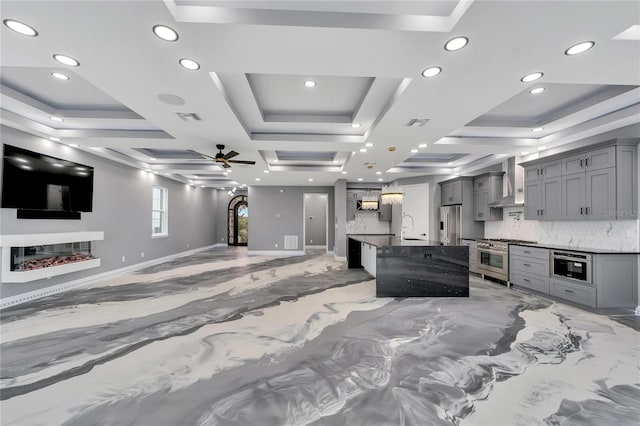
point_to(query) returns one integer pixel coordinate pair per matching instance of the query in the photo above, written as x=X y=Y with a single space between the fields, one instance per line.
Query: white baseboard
x=275 y=253
x=637 y=310
x=47 y=291
x=340 y=258
x=315 y=247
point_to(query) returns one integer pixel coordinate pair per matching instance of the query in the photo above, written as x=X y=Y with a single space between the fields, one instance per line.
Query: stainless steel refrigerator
x=450 y=224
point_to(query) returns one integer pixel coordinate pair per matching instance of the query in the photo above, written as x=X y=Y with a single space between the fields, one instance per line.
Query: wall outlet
x=141 y=254
x=277 y=215
x=310 y=241
x=124 y=259
x=276 y=245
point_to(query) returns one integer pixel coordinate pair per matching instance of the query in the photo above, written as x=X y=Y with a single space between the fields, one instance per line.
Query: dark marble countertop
x=581 y=249
x=392 y=240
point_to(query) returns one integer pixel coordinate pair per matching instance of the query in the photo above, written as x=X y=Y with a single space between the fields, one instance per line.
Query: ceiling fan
x=225 y=159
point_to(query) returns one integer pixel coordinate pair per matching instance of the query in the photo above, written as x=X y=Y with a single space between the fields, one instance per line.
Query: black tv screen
x=36 y=181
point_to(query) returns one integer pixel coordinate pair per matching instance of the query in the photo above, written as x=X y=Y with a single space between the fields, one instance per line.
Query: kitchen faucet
x=402 y=222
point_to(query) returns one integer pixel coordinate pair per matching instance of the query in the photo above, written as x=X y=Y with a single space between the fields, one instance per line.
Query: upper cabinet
x=591 y=183
x=451 y=192
x=487 y=189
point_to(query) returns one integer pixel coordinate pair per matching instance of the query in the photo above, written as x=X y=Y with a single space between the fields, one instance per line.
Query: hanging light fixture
x=392 y=194
x=369 y=201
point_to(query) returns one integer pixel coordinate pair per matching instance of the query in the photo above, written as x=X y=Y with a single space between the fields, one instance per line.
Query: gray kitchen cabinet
x=596 y=183
x=543 y=199
x=573 y=189
x=616 y=278
x=529 y=267
x=452 y=193
x=473 y=254
x=573 y=292
x=487 y=188
x=545 y=170
x=600 y=190
x=385 y=212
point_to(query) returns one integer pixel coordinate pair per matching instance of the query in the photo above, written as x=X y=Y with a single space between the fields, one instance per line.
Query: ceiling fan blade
x=230 y=154
x=242 y=162
x=208 y=156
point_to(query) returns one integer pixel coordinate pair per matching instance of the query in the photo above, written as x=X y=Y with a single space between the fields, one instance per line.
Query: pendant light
x=392 y=194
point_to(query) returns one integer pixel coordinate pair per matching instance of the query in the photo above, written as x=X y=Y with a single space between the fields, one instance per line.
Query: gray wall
x=340 y=221
x=315 y=219
x=266 y=229
x=121 y=208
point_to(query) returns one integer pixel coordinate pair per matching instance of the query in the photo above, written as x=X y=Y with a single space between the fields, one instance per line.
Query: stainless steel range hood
x=512 y=184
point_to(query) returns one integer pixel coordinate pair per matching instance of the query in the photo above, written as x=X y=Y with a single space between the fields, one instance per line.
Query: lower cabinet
x=473 y=254
x=529 y=268
x=368 y=258
x=578 y=293
x=615 y=278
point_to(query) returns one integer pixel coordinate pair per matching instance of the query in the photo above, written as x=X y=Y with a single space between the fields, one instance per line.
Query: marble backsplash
x=614 y=234
x=367 y=223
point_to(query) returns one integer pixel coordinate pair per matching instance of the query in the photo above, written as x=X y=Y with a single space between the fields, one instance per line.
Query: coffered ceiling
x=129 y=100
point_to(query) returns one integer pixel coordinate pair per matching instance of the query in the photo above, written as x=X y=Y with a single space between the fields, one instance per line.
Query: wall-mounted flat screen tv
x=33 y=181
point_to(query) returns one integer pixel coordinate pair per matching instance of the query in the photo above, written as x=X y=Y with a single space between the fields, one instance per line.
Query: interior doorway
x=316 y=228
x=238 y=221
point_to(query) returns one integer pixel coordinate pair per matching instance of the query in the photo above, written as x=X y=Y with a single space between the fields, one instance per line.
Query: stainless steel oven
x=493 y=259
x=571 y=265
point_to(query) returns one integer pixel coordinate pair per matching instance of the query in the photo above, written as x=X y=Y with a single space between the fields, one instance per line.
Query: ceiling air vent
x=417 y=122
x=189 y=116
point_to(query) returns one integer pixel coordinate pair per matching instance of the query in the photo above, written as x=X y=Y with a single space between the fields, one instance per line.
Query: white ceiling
x=367 y=58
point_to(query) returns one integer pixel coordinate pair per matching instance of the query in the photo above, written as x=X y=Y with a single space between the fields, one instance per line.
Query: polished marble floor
x=219 y=338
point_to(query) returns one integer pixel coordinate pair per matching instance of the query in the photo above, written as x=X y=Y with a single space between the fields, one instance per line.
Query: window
x=159 y=222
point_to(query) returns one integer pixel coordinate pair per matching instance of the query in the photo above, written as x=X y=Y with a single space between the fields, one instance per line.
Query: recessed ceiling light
x=20 y=27
x=363 y=149
x=414 y=151
x=310 y=179
x=531 y=77
x=165 y=33
x=355 y=125
x=537 y=129
x=344 y=173
x=360 y=179
x=189 y=64
x=74 y=145
x=431 y=72
x=422 y=145
x=449 y=163
x=54 y=139
x=368 y=144
x=524 y=153
x=60 y=76
x=536 y=90
x=229 y=171
x=54 y=118
x=579 y=48
x=310 y=83
x=456 y=44
x=257 y=179
x=378 y=173
x=266 y=171
x=67 y=60
x=380 y=180
x=225 y=173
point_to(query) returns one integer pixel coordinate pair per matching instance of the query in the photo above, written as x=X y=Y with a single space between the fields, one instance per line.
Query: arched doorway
x=238 y=221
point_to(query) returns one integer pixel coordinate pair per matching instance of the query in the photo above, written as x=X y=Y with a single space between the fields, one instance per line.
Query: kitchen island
x=411 y=268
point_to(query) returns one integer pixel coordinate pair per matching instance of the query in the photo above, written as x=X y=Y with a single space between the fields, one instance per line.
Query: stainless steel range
x=493 y=258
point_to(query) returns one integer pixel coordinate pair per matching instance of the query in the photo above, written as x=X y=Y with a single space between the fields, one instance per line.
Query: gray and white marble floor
x=220 y=338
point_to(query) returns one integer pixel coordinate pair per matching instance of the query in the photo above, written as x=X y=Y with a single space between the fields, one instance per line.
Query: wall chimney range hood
x=512 y=185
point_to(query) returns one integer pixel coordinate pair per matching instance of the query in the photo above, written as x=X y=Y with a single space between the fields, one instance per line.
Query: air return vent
x=189 y=116
x=417 y=122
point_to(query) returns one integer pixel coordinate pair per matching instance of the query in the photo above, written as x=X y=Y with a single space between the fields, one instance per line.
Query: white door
x=415 y=211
